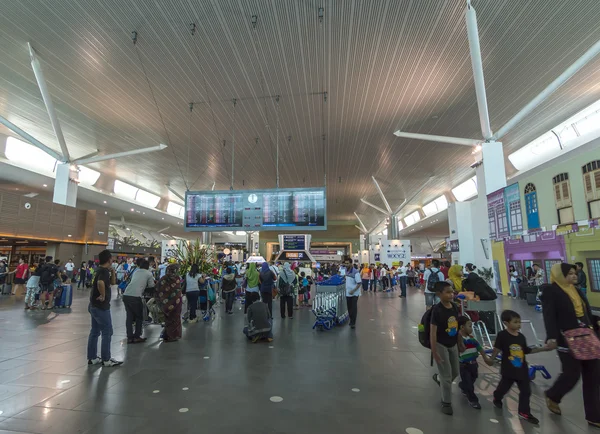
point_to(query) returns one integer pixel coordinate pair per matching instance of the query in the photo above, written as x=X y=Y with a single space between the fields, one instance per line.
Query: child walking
x=445 y=342
x=469 y=368
x=513 y=346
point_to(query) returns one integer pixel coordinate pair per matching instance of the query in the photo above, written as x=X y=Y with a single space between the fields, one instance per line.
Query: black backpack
x=432 y=280
x=285 y=289
x=48 y=273
x=425 y=329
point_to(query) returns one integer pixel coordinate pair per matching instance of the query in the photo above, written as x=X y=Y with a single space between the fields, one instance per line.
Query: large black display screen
x=294 y=242
x=256 y=210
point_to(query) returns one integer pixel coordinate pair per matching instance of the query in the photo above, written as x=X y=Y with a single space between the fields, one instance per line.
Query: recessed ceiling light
x=132 y=210
x=104 y=201
x=105 y=212
x=143 y=213
x=69 y=235
x=45 y=185
x=128 y=229
x=163 y=218
x=435 y=117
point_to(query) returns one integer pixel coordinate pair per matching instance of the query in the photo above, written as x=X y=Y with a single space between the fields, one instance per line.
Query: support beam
x=441 y=139
x=473 y=35
x=364 y=228
x=361 y=230
x=552 y=87
x=41 y=81
x=119 y=154
x=179 y=196
x=90 y=155
x=35 y=142
x=385 y=202
x=374 y=206
x=406 y=201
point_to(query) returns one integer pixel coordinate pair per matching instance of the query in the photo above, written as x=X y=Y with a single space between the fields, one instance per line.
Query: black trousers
x=468 y=375
x=365 y=284
x=286 y=300
x=352 y=303
x=267 y=297
x=192 y=298
x=251 y=297
x=572 y=370
x=524 y=392
x=134 y=309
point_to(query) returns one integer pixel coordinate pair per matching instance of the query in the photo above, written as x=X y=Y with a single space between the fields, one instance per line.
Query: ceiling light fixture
x=104 y=201
x=45 y=185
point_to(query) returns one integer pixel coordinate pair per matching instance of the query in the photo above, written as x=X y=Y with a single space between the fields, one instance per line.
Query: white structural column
x=65 y=185
x=468 y=221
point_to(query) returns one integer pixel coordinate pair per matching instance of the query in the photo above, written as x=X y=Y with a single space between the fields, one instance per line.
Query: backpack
x=425 y=329
x=48 y=273
x=432 y=280
x=285 y=289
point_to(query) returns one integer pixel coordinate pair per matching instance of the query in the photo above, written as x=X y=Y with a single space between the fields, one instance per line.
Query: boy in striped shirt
x=469 y=368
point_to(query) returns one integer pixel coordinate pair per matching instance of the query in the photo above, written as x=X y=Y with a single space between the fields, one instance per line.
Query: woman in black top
x=565 y=308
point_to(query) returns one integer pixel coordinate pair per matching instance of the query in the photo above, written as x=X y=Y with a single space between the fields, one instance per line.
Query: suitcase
x=6 y=288
x=65 y=299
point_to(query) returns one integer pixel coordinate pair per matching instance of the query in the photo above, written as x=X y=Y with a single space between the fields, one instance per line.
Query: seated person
x=260 y=322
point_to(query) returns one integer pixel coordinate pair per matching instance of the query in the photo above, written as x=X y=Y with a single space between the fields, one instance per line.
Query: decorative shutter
x=557 y=194
x=587 y=180
x=596 y=179
x=565 y=190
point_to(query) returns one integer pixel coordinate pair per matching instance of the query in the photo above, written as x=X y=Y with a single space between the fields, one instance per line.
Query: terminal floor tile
x=375 y=379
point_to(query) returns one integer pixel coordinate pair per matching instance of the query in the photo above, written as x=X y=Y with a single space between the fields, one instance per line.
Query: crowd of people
x=178 y=296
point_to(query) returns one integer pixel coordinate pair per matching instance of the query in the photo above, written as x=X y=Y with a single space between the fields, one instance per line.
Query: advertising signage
x=256 y=210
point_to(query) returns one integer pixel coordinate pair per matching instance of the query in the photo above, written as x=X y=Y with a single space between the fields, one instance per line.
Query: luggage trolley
x=479 y=309
x=329 y=307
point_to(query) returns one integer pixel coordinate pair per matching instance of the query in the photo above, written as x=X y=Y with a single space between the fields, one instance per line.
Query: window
x=29 y=156
x=147 y=199
x=570 y=134
x=591 y=182
x=562 y=198
x=502 y=219
x=435 y=206
x=531 y=207
x=175 y=209
x=548 y=263
x=492 y=223
x=88 y=176
x=411 y=219
x=466 y=190
x=594 y=274
x=516 y=218
x=125 y=190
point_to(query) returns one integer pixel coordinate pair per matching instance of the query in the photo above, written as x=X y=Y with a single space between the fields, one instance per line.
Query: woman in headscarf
x=169 y=295
x=267 y=280
x=455 y=274
x=566 y=308
x=287 y=282
x=252 y=286
x=228 y=286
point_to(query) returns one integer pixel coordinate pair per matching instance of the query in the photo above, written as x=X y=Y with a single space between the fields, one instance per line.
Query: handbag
x=583 y=343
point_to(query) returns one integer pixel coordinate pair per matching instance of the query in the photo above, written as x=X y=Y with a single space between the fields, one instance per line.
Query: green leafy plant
x=487 y=274
x=194 y=252
x=153 y=244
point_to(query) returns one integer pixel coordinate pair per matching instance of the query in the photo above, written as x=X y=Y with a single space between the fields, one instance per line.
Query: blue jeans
x=403 y=286
x=514 y=289
x=101 y=325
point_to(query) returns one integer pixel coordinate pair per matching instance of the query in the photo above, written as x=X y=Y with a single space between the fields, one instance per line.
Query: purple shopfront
x=542 y=248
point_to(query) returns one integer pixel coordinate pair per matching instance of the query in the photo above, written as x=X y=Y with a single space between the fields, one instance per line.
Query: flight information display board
x=256 y=210
x=294 y=242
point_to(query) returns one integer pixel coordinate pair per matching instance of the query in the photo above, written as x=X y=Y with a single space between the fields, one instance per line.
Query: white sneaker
x=95 y=361
x=112 y=362
x=193 y=321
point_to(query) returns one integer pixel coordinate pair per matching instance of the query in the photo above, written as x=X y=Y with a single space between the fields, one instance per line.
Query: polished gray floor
x=47 y=387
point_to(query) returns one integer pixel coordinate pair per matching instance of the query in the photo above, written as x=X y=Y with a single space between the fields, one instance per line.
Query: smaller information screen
x=294 y=242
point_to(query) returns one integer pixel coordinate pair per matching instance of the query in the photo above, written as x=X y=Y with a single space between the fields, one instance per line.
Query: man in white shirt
x=69 y=267
x=402 y=277
x=132 y=299
x=353 y=284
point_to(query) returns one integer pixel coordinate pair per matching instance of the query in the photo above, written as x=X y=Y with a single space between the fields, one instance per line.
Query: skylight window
x=175 y=209
x=124 y=190
x=28 y=156
x=435 y=206
x=88 y=176
x=570 y=134
x=466 y=190
x=147 y=199
x=411 y=219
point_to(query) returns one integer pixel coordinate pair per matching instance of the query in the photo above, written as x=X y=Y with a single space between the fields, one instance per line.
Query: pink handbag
x=583 y=343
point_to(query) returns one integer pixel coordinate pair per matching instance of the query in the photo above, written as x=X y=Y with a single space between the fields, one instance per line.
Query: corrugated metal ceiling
x=385 y=64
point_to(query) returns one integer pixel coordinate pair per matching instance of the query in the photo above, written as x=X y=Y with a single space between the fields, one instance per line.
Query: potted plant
x=487 y=274
x=188 y=253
